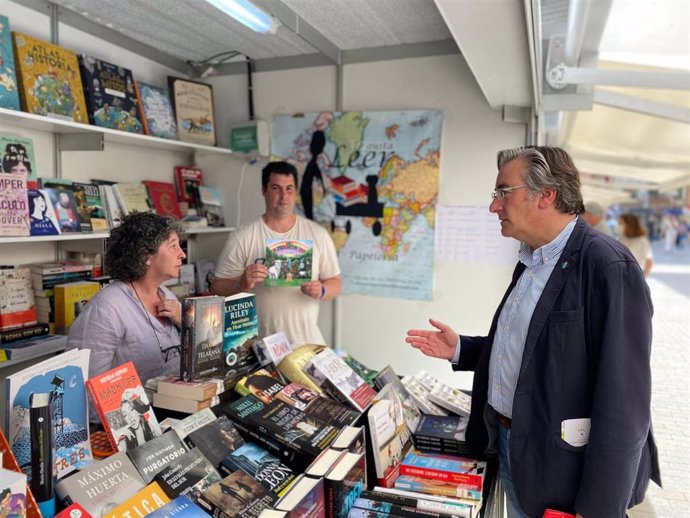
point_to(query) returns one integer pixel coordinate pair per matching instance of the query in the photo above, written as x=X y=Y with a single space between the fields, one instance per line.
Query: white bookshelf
x=100 y=235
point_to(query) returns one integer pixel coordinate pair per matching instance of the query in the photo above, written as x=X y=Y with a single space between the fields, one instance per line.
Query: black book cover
x=262 y=466
x=344 y=483
x=189 y=474
x=449 y=428
x=202 y=338
x=216 y=440
x=237 y=495
x=154 y=455
x=42 y=447
x=312 y=403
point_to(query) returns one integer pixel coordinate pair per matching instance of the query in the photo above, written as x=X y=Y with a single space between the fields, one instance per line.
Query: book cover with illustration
x=42 y=218
x=216 y=440
x=289 y=261
x=13 y=498
x=202 y=338
x=123 y=407
x=101 y=486
x=110 y=96
x=155 y=454
x=163 y=198
x=312 y=403
x=132 y=196
x=70 y=300
x=466 y=473
x=411 y=413
x=304 y=499
x=344 y=483
x=17 y=306
x=180 y=507
x=211 y=206
x=241 y=330
x=49 y=79
x=156 y=111
x=17 y=154
x=9 y=462
x=77 y=196
x=62 y=376
x=187 y=182
x=237 y=494
x=65 y=208
x=338 y=380
x=94 y=206
x=14 y=205
x=193 y=105
x=185 y=426
x=272 y=349
x=149 y=499
x=442 y=429
x=261 y=465
x=9 y=91
x=190 y=474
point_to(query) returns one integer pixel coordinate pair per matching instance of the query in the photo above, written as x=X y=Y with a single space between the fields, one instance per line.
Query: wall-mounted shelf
x=74 y=130
x=99 y=235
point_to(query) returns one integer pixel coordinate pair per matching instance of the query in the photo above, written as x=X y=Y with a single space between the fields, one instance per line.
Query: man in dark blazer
x=562 y=384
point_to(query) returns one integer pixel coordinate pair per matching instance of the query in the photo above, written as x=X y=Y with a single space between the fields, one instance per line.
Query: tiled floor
x=669 y=283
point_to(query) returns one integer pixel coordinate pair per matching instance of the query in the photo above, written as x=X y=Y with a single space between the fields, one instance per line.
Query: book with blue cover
x=180 y=507
x=9 y=91
x=156 y=111
x=110 y=96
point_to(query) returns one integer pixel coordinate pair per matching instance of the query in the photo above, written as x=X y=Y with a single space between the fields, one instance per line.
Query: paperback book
x=123 y=407
x=14 y=205
x=17 y=152
x=304 y=499
x=9 y=92
x=70 y=300
x=193 y=422
x=289 y=261
x=17 y=306
x=187 y=182
x=464 y=472
x=420 y=394
x=436 y=487
x=146 y=501
x=344 y=483
x=420 y=502
x=63 y=377
x=156 y=111
x=154 y=455
x=202 y=338
x=211 y=206
x=42 y=218
x=132 y=197
x=261 y=465
x=173 y=386
x=190 y=474
x=94 y=206
x=9 y=462
x=163 y=198
x=180 y=507
x=216 y=440
x=272 y=349
x=451 y=399
x=241 y=330
x=65 y=207
x=237 y=495
x=411 y=413
x=310 y=402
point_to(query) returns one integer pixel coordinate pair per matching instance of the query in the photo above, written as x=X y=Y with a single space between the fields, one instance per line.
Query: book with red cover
x=187 y=181
x=550 y=513
x=164 y=198
x=123 y=407
x=467 y=473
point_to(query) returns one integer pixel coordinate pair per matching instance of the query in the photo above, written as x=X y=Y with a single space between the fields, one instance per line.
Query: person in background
x=135 y=318
x=670 y=230
x=594 y=215
x=562 y=382
x=634 y=237
x=292 y=310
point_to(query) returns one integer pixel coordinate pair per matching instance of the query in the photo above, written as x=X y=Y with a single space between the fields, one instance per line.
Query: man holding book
x=562 y=385
x=291 y=310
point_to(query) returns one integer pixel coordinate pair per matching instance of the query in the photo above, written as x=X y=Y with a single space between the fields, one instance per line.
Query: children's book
x=110 y=96
x=49 y=79
x=17 y=152
x=241 y=330
x=156 y=111
x=289 y=261
x=193 y=105
x=62 y=376
x=94 y=206
x=65 y=207
x=9 y=462
x=123 y=407
x=9 y=91
x=42 y=218
x=211 y=206
x=163 y=198
x=187 y=182
x=14 y=205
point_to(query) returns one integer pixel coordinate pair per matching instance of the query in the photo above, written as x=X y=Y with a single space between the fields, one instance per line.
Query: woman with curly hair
x=634 y=237
x=135 y=318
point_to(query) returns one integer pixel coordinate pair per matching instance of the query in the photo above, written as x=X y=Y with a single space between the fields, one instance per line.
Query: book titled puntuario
x=62 y=376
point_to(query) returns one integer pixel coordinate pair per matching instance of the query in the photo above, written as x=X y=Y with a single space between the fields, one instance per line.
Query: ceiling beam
x=79 y=22
x=633 y=78
x=639 y=105
x=301 y=28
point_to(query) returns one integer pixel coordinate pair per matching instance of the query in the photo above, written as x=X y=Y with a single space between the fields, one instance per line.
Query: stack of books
x=347 y=191
x=171 y=393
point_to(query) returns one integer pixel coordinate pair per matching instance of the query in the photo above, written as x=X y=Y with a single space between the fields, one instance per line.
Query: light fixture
x=247 y=14
x=207 y=67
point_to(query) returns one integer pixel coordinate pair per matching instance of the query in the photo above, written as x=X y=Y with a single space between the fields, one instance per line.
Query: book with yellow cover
x=70 y=300
x=144 y=502
x=49 y=79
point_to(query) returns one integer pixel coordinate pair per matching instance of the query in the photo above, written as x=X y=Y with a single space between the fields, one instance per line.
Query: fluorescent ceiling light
x=247 y=14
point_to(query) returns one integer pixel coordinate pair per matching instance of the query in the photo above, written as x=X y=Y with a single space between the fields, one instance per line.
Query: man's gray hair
x=549 y=168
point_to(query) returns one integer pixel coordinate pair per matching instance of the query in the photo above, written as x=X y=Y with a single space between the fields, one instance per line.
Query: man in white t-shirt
x=293 y=310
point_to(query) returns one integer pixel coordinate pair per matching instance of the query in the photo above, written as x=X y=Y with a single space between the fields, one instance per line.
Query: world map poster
x=372 y=179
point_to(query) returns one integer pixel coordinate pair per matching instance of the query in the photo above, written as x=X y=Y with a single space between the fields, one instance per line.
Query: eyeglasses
x=170 y=353
x=501 y=192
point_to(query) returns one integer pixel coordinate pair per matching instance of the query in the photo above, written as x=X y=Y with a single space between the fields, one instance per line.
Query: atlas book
x=143 y=503
x=180 y=507
x=272 y=349
x=49 y=79
x=102 y=486
x=63 y=377
x=94 y=206
x=156 y=454
x=289 y=261
x=9 y=91
x=163 y=198
x=17 y=153
x=190 y=474
x=421 y=503
x=42 y=216
x=187 y=182
x=14 y=205
x=110 y=96
x=70 y=300
x=261 y=465
x=216 y=440
x=344 y=483
x=304 y=499
x=9 y=463
x=17 y=306
x=156 y=111
x=123 y=407
x=241 y=330
x=202 y=338
x=42 y=447
x=338 y=380
x=211 y=206
x=193 y=105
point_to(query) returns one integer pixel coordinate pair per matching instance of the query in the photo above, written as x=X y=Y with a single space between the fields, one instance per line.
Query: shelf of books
x=77 y=236
x=68 y=127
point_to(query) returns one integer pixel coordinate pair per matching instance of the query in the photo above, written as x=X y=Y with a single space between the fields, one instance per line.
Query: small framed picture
x=193 y=105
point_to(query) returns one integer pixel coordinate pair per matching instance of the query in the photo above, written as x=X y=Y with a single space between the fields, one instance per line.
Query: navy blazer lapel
x=553 y=288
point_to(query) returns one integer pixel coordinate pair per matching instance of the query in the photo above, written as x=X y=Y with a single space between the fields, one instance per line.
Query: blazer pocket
x=561 y=444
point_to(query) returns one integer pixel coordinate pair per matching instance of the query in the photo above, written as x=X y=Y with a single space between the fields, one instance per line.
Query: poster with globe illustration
x=62 y=376
x=372 y=179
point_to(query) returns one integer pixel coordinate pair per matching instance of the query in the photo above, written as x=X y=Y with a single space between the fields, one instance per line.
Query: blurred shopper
x=670 y=230
x=635 y=238
x=594 y=215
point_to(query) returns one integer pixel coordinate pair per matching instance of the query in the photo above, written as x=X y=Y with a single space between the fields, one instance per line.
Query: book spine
x=464 y=480
x=399 y=511
x=15 y=335
x=187 y=339
x=42 y=452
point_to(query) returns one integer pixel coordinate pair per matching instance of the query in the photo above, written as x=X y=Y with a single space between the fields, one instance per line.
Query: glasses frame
x=500 y=193
x=167 y=353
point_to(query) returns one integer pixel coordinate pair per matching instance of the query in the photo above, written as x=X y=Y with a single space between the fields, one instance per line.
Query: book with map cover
x=156 y=111
x=49 y=79
x=110 y=95
x=9 y=93
x=289 y=261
